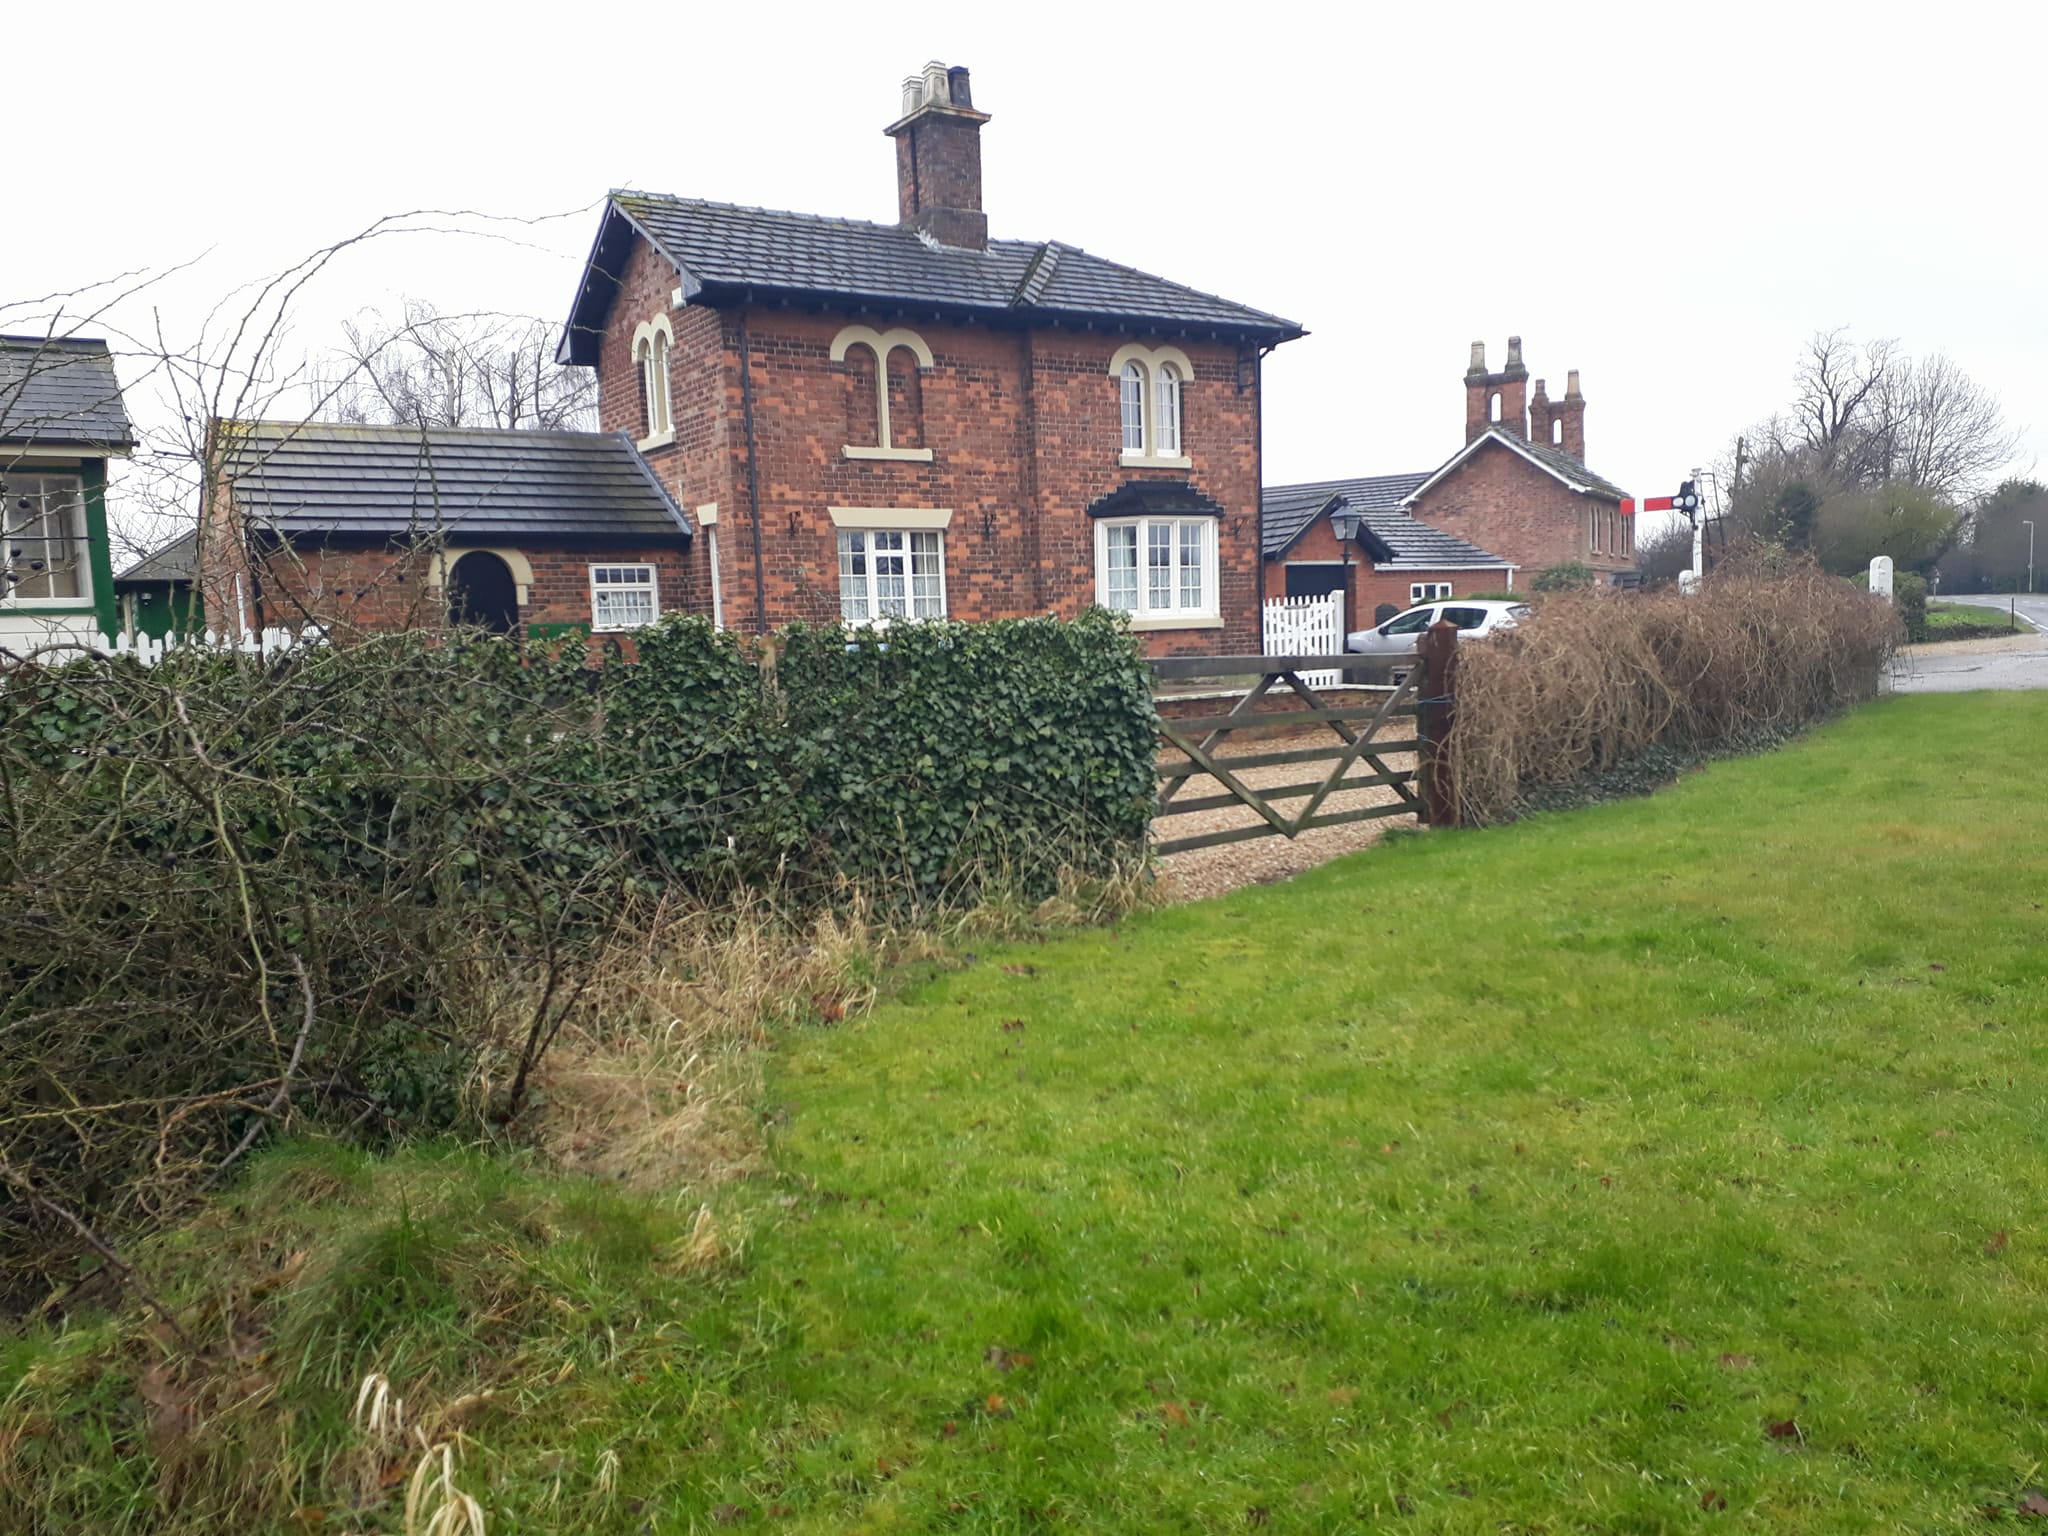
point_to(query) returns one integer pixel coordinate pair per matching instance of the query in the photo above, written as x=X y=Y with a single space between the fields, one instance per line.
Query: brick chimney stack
x=1496 y=399
x=1540 y=416
x=938 y=159
x=1571 y=418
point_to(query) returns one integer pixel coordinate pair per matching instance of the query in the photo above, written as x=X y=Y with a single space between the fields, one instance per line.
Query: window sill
x=659 y=440
x=1153 y=461
x=893 y=455
x=48 y=605
x=1176 y=621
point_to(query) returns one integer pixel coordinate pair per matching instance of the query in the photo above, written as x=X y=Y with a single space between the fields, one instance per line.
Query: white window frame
x=13 y=523
x=651 y=586
x=1420 y=592
x=1174 y=613
x=869 y=600
x=1157 y=372
x=653 y=341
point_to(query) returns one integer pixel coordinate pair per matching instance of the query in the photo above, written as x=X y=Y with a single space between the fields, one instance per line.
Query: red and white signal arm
x=1630 y=506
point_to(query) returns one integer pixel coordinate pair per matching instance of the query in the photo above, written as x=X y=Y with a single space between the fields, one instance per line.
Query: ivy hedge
x=237 y=891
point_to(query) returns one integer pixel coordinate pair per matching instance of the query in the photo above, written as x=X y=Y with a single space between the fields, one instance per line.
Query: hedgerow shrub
x=351 y=885
x=1593 y=680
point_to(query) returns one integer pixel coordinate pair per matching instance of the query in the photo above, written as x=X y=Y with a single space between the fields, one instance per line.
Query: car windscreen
x=1413 y=622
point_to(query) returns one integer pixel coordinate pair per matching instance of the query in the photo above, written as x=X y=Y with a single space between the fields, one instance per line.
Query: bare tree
x=1937 y=427
x=467 y=370
x=1838 y=387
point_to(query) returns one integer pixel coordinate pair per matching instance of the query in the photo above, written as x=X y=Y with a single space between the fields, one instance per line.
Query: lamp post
x=1345 y=526
x=2030 y=552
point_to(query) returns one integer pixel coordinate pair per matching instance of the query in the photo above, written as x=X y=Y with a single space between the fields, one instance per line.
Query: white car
x=1475 y=621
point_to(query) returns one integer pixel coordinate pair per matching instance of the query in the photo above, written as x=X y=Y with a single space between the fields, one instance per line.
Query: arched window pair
x=652 y=343
x=898 y=403
x=1149 y=381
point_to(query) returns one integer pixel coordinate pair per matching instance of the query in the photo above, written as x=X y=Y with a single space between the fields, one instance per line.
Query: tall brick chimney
x=1496 y=399
x=1570 y=413
x=1541 y=415
x=938 y=159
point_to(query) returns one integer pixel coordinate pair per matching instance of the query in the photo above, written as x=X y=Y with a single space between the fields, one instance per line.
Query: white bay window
x=1157 y=568
x=891 y=573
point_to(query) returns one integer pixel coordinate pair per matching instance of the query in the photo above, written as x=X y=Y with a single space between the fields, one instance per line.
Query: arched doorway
x=481 y=592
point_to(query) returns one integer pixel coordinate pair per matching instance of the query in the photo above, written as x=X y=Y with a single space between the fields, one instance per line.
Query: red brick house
x=1514 y=501
x=872 y=421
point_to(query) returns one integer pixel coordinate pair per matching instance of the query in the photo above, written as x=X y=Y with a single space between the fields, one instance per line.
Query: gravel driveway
x=1262 y=860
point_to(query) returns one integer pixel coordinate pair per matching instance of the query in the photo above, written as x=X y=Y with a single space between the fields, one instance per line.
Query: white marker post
x=1881 y=577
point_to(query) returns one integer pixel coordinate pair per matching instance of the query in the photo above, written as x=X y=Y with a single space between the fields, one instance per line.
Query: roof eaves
x=647 y=473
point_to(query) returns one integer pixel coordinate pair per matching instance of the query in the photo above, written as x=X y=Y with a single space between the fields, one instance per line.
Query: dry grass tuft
x=1597 y=680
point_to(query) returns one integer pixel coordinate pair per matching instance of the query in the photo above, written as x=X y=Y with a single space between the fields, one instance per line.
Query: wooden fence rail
x=1377 y=709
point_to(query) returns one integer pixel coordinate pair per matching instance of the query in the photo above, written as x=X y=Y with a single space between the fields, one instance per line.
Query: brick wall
x=1025 y=433
x=1504 y=504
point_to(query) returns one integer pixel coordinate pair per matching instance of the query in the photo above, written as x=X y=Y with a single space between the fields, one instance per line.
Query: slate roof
x=176 y=561
x=61 y=391
x=1395 y=540
x=1553 y=461
x=723 y=252
x=378 y=483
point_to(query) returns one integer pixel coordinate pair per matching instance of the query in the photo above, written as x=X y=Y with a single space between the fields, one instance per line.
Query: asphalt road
x=1959 y=666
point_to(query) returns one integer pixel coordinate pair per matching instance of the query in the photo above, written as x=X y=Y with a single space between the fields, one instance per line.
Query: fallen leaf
x=1014 y=1027
x=1943 y=1133
x=781 y=1511
x=2033 y=1504
x=1736 y=1362
x=831 y=1010
x=1784 y=1429
x=1343 y=1397
x=1932 y=967
x=1998 y=1244
x=996 y=1406
x=1713 y=1500
x=949 y=1431
x=1173 y=1413
x=730 y=1514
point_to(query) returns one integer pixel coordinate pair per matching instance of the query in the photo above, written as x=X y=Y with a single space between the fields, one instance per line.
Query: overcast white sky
x=1669 y=200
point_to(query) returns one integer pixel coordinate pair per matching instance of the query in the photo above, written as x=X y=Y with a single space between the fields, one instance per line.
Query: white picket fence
x=266 y=643
x=1307 y=626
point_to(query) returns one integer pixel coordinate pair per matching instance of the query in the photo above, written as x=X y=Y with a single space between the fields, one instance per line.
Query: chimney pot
x=1514 y=354
x=938 y=159
x=1571 y=384
x=1478 y=363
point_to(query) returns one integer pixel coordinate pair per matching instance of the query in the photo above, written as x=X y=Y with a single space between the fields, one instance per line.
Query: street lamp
x=1345 y=526
x=2030 y=552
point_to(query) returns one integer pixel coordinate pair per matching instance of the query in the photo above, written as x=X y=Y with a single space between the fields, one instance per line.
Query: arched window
x=1166 y=412
x=1493 y=406
x=1134 y=407
x=898 y=395
x=1150 y=381
x=651 y=344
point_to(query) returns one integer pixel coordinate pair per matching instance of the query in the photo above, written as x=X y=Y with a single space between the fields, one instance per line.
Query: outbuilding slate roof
x=1395 y=540
x=61 y=391
x=321 y=480
x=722 y=251
x=176 y=561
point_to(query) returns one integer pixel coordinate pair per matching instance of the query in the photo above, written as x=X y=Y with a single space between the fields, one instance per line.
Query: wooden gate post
x=1435 y=714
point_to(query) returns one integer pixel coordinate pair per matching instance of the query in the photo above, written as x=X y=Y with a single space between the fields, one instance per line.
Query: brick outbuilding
x=1514 y=501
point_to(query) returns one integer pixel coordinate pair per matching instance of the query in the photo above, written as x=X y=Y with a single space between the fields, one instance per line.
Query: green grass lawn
x=1964 y=621
x=1676 y=1164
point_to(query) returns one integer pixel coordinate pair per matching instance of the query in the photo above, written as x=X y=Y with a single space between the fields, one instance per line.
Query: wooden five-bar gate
x=1376 y=711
